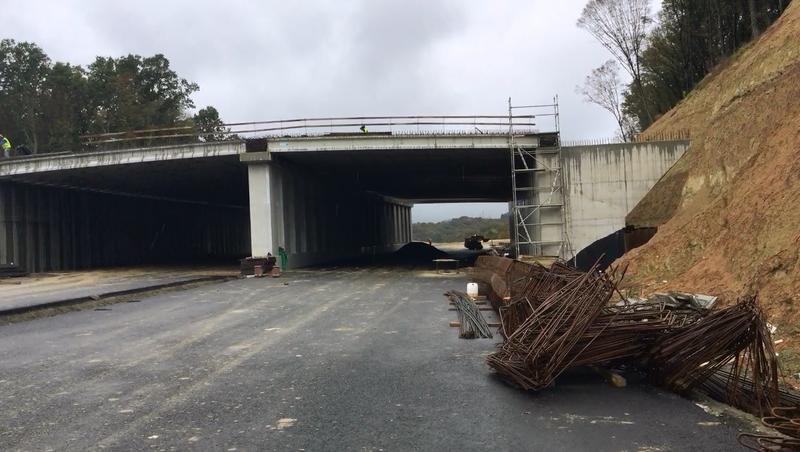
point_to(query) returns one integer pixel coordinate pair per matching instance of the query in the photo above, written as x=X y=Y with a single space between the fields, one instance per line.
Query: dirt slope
x=729 y=211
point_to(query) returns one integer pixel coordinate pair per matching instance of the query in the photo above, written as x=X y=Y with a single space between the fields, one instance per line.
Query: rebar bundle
x=530 y=291
x=786 y=420
x=718 y=386
x=736 y=337
x=626 y=332
x=553 y=336
x=559 y=318
x=472 y=323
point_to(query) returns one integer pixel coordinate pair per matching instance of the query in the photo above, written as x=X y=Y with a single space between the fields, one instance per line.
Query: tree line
x=457 y=229
x=49 y=105
x=667 y=55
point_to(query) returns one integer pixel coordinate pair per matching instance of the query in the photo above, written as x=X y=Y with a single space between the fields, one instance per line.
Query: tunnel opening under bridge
x=395 y=171
x=122 y=209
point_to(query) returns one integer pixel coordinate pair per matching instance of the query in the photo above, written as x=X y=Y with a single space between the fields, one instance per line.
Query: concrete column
x=301 y=225
x=408 y=224
x=290 y=206
x=261 y=210
x=312 y=200
x=279 y=232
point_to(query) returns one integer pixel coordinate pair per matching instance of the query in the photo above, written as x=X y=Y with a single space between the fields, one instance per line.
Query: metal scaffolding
x=537 y=207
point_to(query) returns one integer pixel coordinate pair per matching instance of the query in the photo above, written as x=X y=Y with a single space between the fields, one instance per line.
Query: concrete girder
x=69 y=161
x=372 y=142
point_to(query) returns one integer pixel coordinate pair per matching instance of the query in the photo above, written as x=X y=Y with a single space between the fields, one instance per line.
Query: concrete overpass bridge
x=322 y=196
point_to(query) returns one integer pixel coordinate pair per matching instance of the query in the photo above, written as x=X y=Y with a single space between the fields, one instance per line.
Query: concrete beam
x=397 y=142
x=59 y=162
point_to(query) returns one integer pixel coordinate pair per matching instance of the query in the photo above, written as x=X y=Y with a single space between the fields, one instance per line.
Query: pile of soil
x=418 y=252
x=728 y=212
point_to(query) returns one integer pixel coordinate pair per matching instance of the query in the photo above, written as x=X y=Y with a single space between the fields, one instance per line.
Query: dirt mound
x=728 y=212
x=418 y=252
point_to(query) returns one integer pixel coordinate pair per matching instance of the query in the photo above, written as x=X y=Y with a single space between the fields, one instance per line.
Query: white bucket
x=472 y=289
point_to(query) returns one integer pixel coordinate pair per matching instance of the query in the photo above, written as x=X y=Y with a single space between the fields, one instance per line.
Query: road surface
x=43 y=288
x=338 y=359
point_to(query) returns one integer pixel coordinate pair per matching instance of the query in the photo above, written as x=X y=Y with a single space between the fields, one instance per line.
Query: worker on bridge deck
x=5 y=145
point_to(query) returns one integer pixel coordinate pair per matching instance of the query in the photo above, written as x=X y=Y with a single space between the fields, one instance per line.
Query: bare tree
x=755 y=29
x=604 y=89
x=621 y=27
x=630 y=127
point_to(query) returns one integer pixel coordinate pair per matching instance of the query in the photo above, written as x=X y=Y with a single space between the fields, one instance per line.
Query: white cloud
x=275 y=59
x=271 y=59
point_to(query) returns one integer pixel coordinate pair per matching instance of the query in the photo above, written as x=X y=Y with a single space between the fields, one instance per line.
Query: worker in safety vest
x=5 y=145
x=363 y=128
x=284 y=258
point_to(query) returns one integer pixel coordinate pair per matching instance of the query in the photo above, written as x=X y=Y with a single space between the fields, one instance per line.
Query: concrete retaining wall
x=47 y=229
x=604 y=182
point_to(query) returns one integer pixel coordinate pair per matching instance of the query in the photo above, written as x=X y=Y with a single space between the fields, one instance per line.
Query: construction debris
x=472 y=324
x=735 y=339
x=678 y=299
x=257 y=266
x=555 y=333
x=556 y=318
x=12 y=271
x=786 y=420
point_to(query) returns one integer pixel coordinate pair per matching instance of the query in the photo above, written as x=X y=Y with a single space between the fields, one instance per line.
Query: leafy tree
x=457 y=229
x=65 y=106
x=691 y=38
x=48 y=106
x=209 y=126
x=23 y=71
x=133 y=93
x=159 y=87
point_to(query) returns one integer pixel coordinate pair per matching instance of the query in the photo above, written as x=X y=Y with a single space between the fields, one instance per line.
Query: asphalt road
x=44 y=288
x=344 y=359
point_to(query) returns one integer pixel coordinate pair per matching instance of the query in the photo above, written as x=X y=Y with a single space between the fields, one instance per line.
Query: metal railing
x=386 y=125
x=680 y=135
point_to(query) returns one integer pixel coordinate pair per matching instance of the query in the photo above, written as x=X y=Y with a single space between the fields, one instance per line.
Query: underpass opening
x=176 y=206
x=294 y=175
x=463 y=230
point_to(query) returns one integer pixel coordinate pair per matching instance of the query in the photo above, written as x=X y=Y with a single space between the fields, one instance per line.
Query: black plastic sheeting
x=611 y=247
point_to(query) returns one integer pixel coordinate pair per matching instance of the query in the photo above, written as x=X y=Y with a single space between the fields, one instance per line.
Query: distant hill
x=457 y=229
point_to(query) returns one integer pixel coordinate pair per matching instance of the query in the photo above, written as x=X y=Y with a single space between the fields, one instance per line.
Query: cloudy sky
x=260 y=60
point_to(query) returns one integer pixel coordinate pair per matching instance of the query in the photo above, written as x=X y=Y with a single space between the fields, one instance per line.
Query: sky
x=269 y=59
